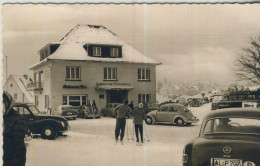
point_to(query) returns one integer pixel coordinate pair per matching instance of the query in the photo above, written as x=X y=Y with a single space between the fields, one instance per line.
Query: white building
x=92 y=63
x=16 y=85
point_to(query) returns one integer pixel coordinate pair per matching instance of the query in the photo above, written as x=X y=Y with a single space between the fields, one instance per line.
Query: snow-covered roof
x=22 y=83
x=71 y=47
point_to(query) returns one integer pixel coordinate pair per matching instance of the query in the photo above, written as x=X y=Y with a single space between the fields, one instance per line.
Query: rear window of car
x=238 y=125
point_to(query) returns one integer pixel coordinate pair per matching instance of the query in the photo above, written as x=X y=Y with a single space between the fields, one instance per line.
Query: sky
x=193 y=42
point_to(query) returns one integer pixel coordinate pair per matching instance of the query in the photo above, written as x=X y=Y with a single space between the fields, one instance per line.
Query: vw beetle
x=171 y=113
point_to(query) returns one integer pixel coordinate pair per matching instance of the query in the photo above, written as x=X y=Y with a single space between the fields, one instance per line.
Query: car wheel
x=74 y=118
x=179 y=122
x=104 y=115
x=49 y=133
x=188 y=124
x=84 y=116
x=149 y=120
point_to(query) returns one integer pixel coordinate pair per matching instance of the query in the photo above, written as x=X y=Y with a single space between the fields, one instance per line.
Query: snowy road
x=91 y=142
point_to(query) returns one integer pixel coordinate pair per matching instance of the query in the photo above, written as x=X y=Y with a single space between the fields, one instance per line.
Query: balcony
x=35 y=86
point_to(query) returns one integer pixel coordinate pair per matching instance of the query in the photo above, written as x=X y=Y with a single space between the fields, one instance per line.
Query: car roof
x=234 y=112
x=171 y=104
x=22 y=104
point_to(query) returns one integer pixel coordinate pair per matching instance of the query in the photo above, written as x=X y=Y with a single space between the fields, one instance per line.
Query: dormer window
x=114 y=52
x=96 y=51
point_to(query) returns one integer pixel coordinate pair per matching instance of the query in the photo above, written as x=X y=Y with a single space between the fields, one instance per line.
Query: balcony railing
x=35 y=86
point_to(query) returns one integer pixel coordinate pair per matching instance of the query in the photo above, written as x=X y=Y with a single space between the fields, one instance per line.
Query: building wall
x=92 y=73
x=12 y=87
x=46 y=87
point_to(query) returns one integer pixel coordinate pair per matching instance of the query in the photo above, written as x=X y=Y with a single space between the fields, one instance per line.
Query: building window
x=73 y=73
x=47 y=101
x=110 y=73
x=74 y=100
x=101 y=96
x=144 y=74
x=36 y=101
x=114 y=52
x=144 y=98
x=96 y=51
x=15 y=96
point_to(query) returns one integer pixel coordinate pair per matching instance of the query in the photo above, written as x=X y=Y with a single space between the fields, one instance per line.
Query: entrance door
x=116 y=96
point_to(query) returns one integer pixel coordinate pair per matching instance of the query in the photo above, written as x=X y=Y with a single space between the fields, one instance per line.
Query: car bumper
x=193 y=121
x=71 y=116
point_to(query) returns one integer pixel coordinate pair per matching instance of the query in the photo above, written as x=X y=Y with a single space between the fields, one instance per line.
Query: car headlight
x=63 y=124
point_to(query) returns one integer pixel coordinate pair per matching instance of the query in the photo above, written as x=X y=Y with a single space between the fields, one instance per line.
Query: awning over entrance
x=113 y=87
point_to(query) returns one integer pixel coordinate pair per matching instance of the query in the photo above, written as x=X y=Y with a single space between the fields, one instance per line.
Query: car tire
x=104 y=115
x=149 y=120
x=84 y=116
x=74 y=118
x=179 y=122
x=49 y=133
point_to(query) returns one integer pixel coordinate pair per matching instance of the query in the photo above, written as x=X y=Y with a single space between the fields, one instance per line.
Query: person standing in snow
x=121 y=112
x=139 y=116
x=14 y=131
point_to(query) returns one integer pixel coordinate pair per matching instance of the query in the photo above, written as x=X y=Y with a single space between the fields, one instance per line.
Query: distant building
x=92 y=63
x=16 y=85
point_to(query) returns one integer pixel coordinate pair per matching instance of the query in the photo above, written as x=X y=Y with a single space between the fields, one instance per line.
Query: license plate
x=226 y=162
x=69 y=113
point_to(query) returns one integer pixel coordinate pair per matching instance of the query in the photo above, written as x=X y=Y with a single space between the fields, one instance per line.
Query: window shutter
x=139 y=73
x=67 y=72
x=148 y=74
x=105 y=73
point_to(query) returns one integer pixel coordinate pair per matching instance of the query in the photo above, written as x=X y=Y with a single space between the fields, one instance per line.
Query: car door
x=162 y=114
x=172 y=113
x=27 y=115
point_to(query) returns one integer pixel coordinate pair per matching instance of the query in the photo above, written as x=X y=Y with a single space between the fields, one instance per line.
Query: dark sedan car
x=228 y=137
x=48 y=126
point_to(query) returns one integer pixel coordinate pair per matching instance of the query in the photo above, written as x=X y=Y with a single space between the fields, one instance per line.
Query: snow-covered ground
x=91 y=142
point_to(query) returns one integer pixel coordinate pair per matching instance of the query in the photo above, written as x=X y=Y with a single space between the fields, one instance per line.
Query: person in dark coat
x=131 y=105
x=121 y=112
x=13 y=134
x=139 y=116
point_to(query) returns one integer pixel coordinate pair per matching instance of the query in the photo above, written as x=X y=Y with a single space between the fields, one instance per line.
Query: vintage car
x=48 y=126
x=87 y=111
x=228 y=137
x=195 y=102
x=171 y=113
x=109 y=110
x=68 y=111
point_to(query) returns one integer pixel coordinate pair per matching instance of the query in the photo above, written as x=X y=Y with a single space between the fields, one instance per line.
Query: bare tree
x=248 y=63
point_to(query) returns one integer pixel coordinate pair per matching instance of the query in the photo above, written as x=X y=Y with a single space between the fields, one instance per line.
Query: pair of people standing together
x=121 y=112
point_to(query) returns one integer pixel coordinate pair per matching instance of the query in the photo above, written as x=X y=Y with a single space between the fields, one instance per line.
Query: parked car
x=109 y=110
x=88 y=112
x=227 y=137
x=148 y=108
x=183 y=101
x=48 y=126
x=171 y=113
x=195 y=102
x=68 y=111
x=205 y=100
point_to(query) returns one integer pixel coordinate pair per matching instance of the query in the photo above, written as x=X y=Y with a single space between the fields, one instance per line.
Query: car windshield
x=34 y=109
x=238 y=125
